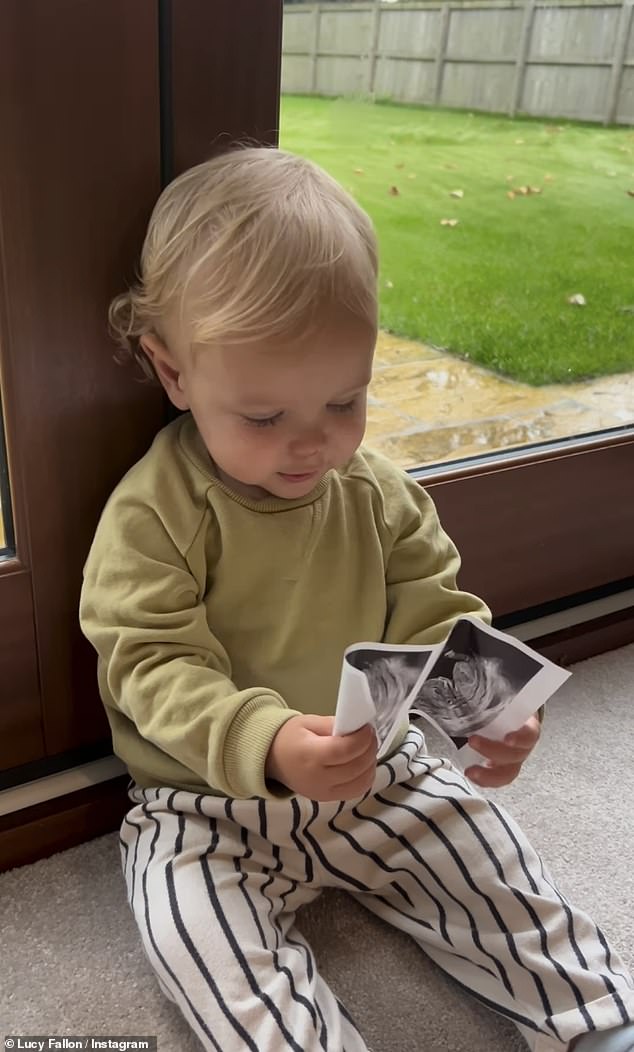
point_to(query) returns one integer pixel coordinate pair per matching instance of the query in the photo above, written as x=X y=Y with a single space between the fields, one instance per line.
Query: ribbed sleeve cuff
x=247 y=746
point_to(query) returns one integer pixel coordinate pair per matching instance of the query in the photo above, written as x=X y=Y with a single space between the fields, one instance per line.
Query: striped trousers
x=215 y=884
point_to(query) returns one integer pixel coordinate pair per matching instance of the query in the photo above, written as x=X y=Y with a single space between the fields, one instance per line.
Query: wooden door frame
x=547 y=525
x=163 y=85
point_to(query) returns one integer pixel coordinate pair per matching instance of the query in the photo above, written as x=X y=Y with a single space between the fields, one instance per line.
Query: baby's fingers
x=499 y=752
x=356 y=782
x=515 y=748
x=526 y=736
x=343 y=749
x=494 y=777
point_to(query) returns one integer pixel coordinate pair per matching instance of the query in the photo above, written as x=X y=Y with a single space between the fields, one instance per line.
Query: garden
x=507 y=242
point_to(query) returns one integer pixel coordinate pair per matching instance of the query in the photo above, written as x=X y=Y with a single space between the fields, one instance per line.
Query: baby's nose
x=309 y=442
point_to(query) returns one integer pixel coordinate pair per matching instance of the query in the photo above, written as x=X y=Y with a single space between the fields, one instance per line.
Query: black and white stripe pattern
x=215 y=885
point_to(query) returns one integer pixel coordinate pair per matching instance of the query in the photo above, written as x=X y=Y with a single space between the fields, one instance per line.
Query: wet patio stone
x=425 y=406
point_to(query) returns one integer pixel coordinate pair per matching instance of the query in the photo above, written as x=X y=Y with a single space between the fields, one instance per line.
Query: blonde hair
x=251 y=245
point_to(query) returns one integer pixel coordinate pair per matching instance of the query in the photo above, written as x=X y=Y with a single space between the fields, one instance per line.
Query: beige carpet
x=72 y=963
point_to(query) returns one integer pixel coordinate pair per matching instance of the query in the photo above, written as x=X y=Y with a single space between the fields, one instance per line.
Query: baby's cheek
x=232 y=451
x=350 y=431
x=260 y=449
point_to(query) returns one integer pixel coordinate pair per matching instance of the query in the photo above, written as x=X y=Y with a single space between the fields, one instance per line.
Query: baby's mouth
x=293 y=476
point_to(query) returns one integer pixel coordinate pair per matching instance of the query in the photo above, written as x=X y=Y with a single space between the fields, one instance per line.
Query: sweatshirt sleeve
x=160 y=663
x=423 y=598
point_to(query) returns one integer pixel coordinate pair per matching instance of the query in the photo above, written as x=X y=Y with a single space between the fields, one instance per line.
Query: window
x=506 y=273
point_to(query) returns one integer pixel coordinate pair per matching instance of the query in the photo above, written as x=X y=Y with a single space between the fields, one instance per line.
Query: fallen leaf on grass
x=389 y=284
x=450 y=167
x=548 y=178
x=359 y=171
x=412 y=175
x=510 y=194
x=394 y=191
x=449 y=222
x=630 y=193
x=578 y=300
x=526 y=191
x=519 y=142
x=457 y=193
x=399 y=165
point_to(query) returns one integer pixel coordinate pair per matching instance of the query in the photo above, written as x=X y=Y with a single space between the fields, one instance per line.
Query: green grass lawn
x=494 y=288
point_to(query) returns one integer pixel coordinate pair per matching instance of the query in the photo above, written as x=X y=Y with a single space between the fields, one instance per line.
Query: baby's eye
x=262 y=421
x=342 y=407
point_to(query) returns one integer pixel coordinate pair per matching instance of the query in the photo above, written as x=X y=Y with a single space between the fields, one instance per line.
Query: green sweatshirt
x=216 y=618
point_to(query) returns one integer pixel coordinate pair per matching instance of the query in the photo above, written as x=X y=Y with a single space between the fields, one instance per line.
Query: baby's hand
x=305 y=757
x=505 y=757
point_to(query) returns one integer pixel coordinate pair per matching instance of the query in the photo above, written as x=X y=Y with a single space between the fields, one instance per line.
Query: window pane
x=507 y=304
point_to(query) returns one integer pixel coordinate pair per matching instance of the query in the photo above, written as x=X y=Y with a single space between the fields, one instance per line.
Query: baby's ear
x=166 y=368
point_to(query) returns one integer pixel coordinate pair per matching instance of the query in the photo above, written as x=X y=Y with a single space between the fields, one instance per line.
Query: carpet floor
x=72 y=962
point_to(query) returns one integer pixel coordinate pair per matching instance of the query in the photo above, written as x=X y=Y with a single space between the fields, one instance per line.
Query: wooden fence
x=563 y=60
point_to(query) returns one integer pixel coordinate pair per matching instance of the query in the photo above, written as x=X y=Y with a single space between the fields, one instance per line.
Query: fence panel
x=567 y=60
x=296 y=29
x=340 y=76
x=479 y=87
x=412 y=33
x=577 y=92
x=625 y=106
x=295 y=75
x=345 y=32
x=406 y=81
x=576 y=34
x=485 y=34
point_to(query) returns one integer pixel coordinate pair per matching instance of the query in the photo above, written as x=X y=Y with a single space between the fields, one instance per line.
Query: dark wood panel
x=80 y=137
x=598 y=636
x=40 y=831
x=534 y=532
x=224 y=63
x=21 y=737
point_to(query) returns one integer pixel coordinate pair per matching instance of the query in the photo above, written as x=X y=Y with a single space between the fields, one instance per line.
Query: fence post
x=441 y=51
x=314 y=51
x=522 y=56
x=618 y=62
x=375 y=28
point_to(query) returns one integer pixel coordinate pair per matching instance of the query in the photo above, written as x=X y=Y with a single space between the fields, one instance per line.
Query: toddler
x=232 y=566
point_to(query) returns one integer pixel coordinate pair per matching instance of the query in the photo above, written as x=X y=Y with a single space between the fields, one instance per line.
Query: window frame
x=576 y=494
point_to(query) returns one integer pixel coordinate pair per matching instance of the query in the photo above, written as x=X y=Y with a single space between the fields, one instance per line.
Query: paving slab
x=427 y=406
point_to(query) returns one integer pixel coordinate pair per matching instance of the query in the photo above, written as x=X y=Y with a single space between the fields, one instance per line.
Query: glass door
x=506 y=272
x=504 y=371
